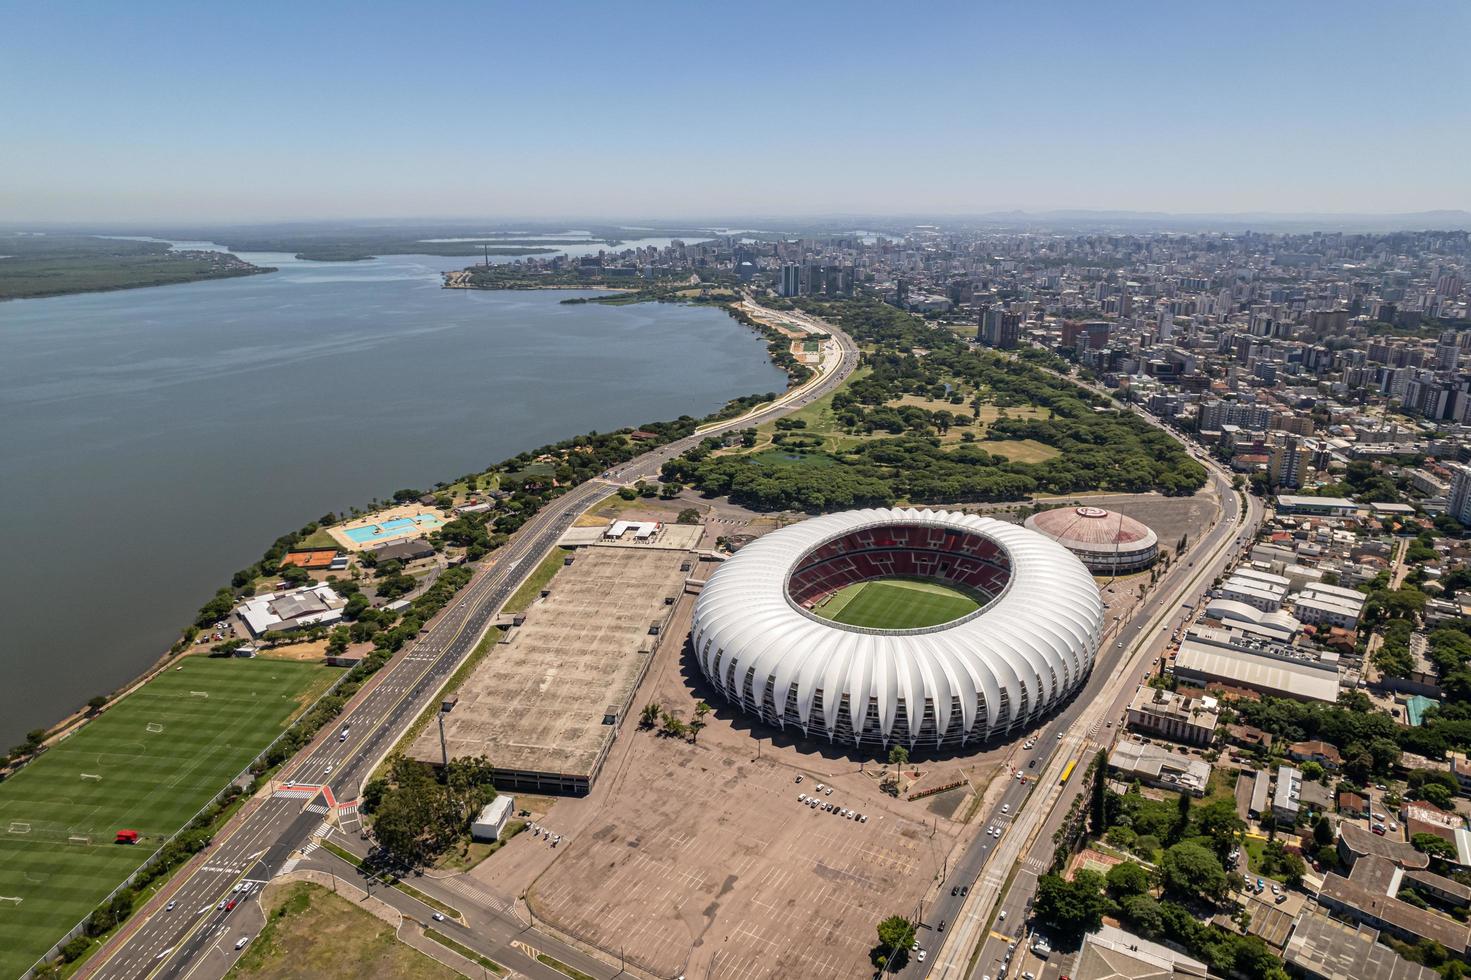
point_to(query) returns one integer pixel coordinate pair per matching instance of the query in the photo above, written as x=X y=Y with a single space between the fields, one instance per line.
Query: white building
x=295 y=609
x=1254 y=592
x=1330 y=605
x=492 y=820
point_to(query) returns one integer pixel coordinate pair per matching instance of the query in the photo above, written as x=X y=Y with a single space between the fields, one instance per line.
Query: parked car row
x=833 y=808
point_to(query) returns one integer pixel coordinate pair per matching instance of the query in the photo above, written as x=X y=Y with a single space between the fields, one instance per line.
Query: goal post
x=10 y=900
x=199 y=694
x=19 y=827
x=155 y=727
x=79 y=839
x=93 y=776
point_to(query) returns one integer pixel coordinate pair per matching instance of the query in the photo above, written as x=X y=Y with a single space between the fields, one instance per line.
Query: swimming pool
x=399 y=527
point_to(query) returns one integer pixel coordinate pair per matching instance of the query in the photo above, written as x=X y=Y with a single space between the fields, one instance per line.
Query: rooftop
x=1327 y=948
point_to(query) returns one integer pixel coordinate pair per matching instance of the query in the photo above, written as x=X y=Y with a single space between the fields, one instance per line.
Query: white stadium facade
x=1027 y=648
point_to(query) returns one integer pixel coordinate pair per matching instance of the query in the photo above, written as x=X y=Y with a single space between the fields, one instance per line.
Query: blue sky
x=170 y=110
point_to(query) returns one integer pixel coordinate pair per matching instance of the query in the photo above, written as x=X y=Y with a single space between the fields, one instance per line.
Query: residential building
x=1170 y=715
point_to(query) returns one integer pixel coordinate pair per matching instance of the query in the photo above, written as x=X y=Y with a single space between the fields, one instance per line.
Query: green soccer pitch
x=161 y=753
x=897 y=604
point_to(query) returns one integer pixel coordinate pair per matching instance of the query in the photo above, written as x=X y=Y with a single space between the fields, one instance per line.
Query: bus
x=1067 y=772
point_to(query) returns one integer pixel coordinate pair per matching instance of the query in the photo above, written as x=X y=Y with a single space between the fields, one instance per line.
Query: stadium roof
x=1029 y=647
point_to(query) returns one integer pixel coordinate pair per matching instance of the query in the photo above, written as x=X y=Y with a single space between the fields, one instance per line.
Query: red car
x=231 y=904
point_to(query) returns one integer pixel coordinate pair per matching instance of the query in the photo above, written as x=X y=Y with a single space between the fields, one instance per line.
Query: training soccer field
x=57 y=823
x=896 y=604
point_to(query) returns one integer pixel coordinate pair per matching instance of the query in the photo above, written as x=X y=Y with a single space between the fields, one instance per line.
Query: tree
x=1127 y=878
x=1436 y=847
x=1098 y=806
x=1072 y=908
x=1436 y=794
x=1218 y=821
x=672 y=725
x=688 y=516
x=898 y=756
x=1182 y=820
x=698 y=721
x=1323 y=832
x=1190 y=869
x=649 y=717
x=896 y=934
x=96 y=703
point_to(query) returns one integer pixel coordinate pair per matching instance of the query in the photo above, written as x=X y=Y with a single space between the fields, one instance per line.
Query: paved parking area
x=713 y=867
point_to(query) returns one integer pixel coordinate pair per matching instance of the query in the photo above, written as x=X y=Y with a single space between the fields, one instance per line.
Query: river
x=153 y=441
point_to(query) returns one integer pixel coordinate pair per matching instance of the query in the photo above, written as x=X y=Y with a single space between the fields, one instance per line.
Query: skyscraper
x=791 y=279
x=1459 y=505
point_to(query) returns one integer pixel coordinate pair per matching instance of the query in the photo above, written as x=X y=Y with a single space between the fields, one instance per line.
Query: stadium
x=1107 y=542
x=924 y=628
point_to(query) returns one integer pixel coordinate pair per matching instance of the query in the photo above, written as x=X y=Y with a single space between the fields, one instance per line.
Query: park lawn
x=1020 y=450
x=311 y=932
x=56 y=828
x=896 y=604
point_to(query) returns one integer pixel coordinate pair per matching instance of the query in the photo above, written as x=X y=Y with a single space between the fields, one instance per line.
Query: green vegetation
x=896 y=935
x=53 y=265
x=65 y=862
x=897 y=604
x=540 y=578
x=464 y=951
x=556 y=964
x=884 y=438
x=311 y=932
x=418 y=814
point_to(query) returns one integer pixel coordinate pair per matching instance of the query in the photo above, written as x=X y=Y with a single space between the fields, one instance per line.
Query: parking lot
x=714 y=867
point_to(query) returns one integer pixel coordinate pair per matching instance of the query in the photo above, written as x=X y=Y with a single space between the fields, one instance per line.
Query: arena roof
x=1092 y=528
x=1017 y=656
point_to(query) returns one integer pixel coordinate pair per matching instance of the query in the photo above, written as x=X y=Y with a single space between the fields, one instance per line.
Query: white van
x=240 y=943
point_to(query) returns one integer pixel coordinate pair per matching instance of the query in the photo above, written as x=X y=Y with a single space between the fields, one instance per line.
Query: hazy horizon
x=329 y=112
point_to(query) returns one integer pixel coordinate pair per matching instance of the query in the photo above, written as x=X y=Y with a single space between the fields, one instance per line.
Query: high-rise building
x=1000 y=328
x=1459 y=505
x=791 y=279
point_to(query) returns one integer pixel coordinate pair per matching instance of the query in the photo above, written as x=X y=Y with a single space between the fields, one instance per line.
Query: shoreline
x=120 y=287
x=76 y=719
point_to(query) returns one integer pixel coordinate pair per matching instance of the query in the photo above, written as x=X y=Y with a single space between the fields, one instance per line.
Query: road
x=189 y=916
x=1028 y=814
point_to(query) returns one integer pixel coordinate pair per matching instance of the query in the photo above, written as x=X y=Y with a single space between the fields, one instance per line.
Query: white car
x=1006 y=808
x=921 y=956
x=1001 y=915
x=240 y=943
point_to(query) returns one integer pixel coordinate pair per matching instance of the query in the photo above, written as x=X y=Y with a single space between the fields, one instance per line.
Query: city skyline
x=331 y=112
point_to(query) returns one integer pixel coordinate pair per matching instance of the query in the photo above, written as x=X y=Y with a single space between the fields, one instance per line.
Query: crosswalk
x=317 y=808
x=480 y=896
x=295 y=793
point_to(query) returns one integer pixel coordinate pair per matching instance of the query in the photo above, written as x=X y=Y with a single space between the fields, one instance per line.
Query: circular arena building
x=923 y=628
x=1108 y=542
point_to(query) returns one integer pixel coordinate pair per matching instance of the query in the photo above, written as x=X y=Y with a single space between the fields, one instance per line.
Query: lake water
x=153 y=441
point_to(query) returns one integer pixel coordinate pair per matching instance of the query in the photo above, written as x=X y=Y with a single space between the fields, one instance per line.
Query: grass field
x=314 y=933
x=152 y=782
x=896 y=604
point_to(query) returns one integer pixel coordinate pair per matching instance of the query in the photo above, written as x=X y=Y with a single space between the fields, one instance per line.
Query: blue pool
x=399 y=527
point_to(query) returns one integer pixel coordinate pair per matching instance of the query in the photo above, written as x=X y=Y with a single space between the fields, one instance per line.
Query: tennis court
x=896 y=604
x=148 y=764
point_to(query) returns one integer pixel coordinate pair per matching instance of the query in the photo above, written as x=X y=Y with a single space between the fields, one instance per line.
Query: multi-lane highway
x=1028 y=812
x=192 y=913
